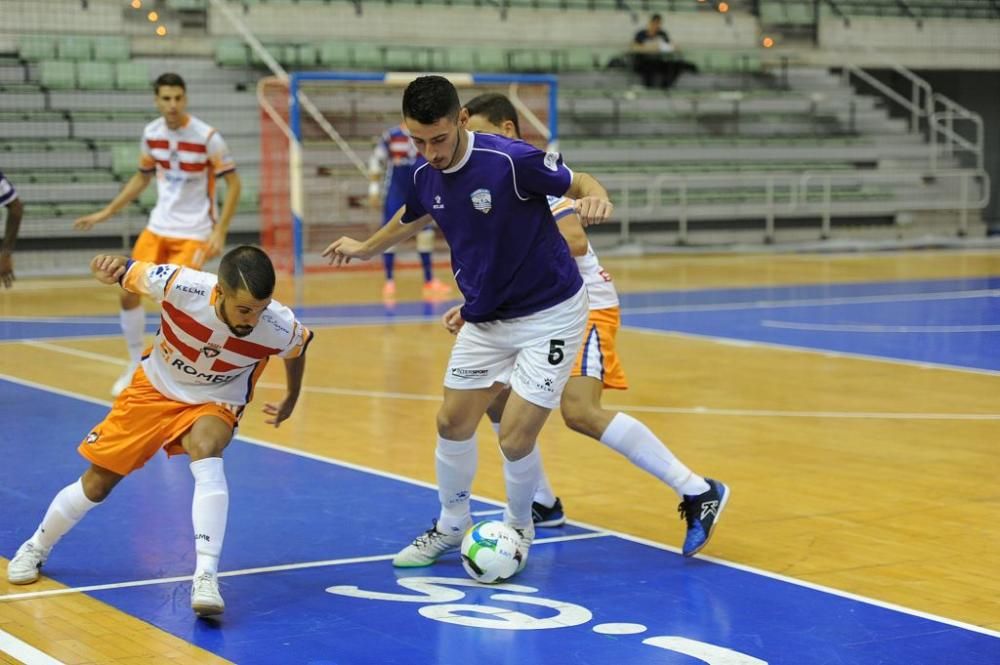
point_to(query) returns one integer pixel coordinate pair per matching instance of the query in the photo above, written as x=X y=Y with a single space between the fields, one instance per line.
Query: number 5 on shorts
x=556 y=353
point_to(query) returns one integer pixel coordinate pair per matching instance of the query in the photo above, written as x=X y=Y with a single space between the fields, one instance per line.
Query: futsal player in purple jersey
x=525 y=306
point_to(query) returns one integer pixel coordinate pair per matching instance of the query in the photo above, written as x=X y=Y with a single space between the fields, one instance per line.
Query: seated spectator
x=653 y=55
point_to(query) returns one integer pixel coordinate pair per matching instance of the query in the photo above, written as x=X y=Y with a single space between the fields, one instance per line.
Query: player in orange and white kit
x=187 y=156
x=597 y=368
x=216 y=336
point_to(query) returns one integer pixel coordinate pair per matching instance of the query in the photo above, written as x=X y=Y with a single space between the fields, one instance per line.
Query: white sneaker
x=206 y=600
x=527 y=537
x=126 y=378
x=25 y=566
x=427 y=548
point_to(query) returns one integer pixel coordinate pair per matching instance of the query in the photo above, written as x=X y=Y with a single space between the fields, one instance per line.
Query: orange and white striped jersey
x=195 y=358
x=187 y=162
x=600 y=289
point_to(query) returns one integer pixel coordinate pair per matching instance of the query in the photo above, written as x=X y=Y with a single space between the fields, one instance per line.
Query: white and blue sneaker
x=428 y=547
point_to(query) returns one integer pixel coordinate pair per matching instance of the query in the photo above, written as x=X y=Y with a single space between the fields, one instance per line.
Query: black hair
x=656 y=17
x=495 y=107
x=429 y=98
x=169 y=79
x=247 y=268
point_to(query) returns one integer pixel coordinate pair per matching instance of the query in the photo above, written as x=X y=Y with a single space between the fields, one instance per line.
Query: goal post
x=318 y=129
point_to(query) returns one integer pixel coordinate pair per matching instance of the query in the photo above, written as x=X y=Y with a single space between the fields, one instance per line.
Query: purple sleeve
x=414 y=208
x=539 y=173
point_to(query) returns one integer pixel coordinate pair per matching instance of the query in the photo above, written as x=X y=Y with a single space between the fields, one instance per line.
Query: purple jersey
x=507 y=254
x=7 y=191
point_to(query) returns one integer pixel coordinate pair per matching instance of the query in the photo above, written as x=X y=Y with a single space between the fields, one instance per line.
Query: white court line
x=876 y=328
x=598 y=530
x=24 y=652
x=753 y=344
x=11 y=597
x=814 y=302
x=676 y=410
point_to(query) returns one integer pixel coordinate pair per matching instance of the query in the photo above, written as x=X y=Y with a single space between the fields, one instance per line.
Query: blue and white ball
x=491 y=552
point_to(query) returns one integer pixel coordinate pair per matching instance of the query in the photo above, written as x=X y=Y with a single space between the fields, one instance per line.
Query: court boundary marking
x=636 y=539
x=662 y=410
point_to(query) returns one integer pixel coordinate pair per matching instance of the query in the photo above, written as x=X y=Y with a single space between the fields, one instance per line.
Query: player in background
x=15 y=211
x=524 y=299
x=597 y=368
x=186 y=156
x=216 y=335
x=389 y=168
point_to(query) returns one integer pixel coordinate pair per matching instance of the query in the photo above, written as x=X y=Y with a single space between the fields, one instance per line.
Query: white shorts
x=534 y=353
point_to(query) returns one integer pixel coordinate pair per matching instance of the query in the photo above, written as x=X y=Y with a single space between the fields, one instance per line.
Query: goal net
x=318 y=130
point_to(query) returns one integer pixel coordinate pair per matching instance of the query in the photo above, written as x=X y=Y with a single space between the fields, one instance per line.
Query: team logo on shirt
x=437 y=203
x=93 y=437
x=551 y=161
x=482 y=200
x=211 y=350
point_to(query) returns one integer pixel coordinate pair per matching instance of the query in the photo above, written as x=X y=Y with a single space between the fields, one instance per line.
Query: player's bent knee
x=578 y=416
x=453 y=426
x=98 y=482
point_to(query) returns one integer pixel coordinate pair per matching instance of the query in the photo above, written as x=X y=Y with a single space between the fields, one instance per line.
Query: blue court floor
x=307 y=575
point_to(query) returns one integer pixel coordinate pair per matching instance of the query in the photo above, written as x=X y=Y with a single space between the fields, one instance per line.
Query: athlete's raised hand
x=344 y=249
x=108 y=268
x=279 y=412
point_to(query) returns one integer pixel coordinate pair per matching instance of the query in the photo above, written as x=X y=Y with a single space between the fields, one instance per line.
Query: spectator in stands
x=15 y=209
x=653 y=55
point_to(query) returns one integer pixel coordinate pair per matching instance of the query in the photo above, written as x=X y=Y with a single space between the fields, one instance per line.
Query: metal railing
x=944 y=113
x=812 y=194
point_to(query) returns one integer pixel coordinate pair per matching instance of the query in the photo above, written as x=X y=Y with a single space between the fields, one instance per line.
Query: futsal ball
x=491 y=552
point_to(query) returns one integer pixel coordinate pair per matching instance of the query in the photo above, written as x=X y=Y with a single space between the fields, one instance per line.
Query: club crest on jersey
x=211 y=350
x=551 y=161
x=93 y=437
x=482 y=200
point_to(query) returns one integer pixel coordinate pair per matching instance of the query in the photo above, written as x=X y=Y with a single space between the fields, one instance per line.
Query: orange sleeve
x=150 y=279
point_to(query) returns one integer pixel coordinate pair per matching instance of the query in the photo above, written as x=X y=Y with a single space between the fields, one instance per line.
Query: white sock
x=543 y=493
x=133 y=328
x=636 y=442
x=521 y=477
x=67 y=508
x=209 y=510
x=456 y=467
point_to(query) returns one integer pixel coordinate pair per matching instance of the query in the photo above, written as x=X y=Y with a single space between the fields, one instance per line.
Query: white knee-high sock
x=456 y=467
x=521 y=477
x=133 y=326
x=543 y=493
x=209 y=510
x=67 y=508
x=636 y=442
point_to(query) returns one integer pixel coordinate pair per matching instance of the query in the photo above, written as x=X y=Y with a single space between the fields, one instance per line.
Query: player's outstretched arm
x=15 y=210
x=592 y=203
x=108 y=268
x=344 y=249
x=132 y=189
x=294 y=370
x=217 y=241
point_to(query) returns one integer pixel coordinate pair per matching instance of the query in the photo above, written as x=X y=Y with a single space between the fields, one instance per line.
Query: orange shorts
x=141 y=422
x=597 y=357
x=161 y=249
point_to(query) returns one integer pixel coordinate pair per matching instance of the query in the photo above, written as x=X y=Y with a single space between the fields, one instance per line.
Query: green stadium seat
x=491 y=59
x=74 y=48
x=187 y=5
x=95 y=75
x=335 y=54
x=33 y=49
x=132 y=76
x=111 y=49
x=148 y=197
x=124 y=159
x=232 y=53
x=57 y=75
x=308 y=55
x=367 y=56
x=579 y=59
x=461 y=59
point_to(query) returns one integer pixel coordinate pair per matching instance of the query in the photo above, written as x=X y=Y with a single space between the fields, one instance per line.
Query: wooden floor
x=900 y=510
